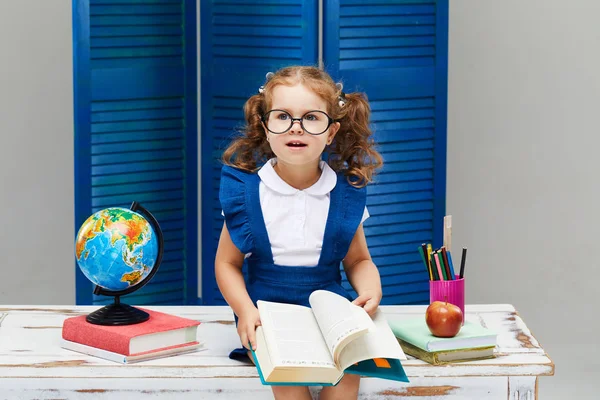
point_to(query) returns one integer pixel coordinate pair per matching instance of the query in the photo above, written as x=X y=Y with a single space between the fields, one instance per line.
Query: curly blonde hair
x=352 y=150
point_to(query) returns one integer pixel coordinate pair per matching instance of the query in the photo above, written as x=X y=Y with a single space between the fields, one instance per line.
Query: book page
x=292 y=335
x=340 y=321
x=378 y=342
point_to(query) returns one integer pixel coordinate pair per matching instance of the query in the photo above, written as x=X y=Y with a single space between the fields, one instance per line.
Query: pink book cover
x=116 y=338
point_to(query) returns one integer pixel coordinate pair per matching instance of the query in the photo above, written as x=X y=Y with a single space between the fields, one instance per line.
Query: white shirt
x=295 y=219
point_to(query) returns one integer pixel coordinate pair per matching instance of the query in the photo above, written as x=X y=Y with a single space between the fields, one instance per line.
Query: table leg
x=522 y=388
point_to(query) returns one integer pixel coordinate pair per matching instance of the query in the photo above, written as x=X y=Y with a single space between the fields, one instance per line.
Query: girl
x=297 y=217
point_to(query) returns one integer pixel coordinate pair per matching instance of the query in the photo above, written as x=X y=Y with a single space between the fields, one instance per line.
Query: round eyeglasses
x=313 y=122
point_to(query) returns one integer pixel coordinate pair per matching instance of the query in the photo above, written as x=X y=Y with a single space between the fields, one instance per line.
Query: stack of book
x=473 y=342
x=162 y=335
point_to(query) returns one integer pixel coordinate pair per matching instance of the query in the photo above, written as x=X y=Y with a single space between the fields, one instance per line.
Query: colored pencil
x=462 y=262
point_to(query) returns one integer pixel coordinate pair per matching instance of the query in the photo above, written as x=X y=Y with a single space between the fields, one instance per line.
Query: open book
x=299 y=345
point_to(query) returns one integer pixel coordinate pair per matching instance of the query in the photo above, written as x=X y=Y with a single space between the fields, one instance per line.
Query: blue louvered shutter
x=396 y=52
x=136 y=129
x=241 y=42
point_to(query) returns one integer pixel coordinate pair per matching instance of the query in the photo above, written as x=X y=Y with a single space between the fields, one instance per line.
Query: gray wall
x=522 y=183
x=36 y=153
x=523 y=96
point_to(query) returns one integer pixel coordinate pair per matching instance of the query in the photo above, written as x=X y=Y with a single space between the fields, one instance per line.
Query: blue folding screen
x=136 y=129
x=396 y=52
x=241 y=42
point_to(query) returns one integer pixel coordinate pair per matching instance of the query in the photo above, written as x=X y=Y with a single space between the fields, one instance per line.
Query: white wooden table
x=33 y=366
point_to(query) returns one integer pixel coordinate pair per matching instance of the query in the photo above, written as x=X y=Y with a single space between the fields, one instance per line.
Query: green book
x=416 y=332
x=448 y=356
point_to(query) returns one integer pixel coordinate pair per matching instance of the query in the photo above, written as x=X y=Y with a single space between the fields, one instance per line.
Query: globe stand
x=119 y=313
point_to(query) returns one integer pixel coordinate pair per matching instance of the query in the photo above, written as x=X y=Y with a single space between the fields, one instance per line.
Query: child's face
x=296 y=146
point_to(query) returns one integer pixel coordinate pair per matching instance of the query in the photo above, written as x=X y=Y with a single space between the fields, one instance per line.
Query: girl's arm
x=362 y=273
x=228 y=272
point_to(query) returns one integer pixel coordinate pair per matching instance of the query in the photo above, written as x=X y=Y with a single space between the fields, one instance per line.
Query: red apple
x=443 y=319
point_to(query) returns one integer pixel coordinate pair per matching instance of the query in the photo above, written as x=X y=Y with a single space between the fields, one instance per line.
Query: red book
x=159 y=332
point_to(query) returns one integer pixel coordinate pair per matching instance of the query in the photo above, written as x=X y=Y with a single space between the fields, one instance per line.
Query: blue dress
x=240 y=201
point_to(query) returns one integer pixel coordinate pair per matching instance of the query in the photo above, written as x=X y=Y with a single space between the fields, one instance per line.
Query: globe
x=116 y=248
x=119 y=250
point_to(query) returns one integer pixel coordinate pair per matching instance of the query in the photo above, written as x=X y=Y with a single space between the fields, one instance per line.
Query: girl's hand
x=246 y=327
x=369 y=300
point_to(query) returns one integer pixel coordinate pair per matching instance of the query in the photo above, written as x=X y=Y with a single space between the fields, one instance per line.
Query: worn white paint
x=29 y=348
x=521 y=388
x=489 y=388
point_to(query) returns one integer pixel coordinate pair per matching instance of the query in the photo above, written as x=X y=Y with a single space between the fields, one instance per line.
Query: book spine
x=94 y=336
x=421 y=354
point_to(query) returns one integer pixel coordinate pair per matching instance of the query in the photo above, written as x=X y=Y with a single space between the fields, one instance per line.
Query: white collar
x=324 y=185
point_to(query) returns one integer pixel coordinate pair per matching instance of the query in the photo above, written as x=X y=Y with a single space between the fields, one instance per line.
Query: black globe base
x=117 y=314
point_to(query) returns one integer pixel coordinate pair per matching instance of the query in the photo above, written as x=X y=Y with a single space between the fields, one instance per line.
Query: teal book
x=416 y=332
x=317 y=345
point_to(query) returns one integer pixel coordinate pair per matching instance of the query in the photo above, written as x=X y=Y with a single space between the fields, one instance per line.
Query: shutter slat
x=122 y=137
x=402 y=191
x=388 y=31
x=127 y=147
x=378 y=117
x=401 y=207
x=137 y=167
x=250 y=21
x=399 y=250
x=250 y=51
x=161 y=9
x=256 y=10
x=391 y=239
x=137 y=115
x=261 y=3
x=120 y=20
x=401 y=104
x=410 y=272
x=127 y=52
x=141 y=197
x=140 y=104
x=397 y=262
x=404 y=124
x=398 y=228
x=382 y=199
x=366 y=9
x=408 y=145
x=391 y=297
x=131 y=30
x=396 y=218
x=131 y=189
x=99 y=181
x=126 y=2
x=364 y=21
x=138 y=41
x=131 y=126
x=137 y=156
x=272 y=32
x=386 y=136
x=397 y=172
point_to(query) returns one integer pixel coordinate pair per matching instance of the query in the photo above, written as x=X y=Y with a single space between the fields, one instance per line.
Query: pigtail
x=247 y=151
x=353 y=149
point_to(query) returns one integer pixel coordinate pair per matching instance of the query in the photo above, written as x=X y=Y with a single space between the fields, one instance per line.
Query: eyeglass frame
x=292 y=119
